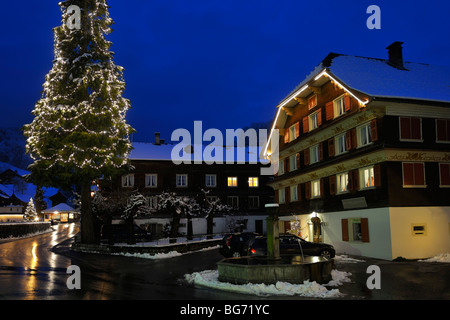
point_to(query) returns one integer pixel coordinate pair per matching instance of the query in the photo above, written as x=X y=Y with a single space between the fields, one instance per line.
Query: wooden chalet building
x=364 y=156
x=239 y=185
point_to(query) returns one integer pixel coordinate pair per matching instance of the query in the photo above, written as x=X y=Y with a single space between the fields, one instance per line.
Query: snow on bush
x=209 y=278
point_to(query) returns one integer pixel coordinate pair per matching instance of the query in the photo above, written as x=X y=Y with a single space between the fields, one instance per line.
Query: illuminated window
x=367 y=177
x=342 y=182
x=232 y=181
x=339 y=106
x=293 y=132
x=313 y=121
x=253 y=181
x=312 y=102
x=315 y=189
x=340 y=144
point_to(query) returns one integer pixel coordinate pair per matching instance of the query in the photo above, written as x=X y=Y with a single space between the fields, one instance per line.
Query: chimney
x=157 y=138
x=396 y=55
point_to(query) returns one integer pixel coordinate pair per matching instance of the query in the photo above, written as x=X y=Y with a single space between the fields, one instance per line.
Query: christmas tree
x=79 y=132
x=30 y=212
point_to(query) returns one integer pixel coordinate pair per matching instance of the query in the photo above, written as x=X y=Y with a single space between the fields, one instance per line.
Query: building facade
x=239 y=185
x=364 y=156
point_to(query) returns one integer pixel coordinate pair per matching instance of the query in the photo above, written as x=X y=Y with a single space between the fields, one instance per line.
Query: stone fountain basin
x=289 y=268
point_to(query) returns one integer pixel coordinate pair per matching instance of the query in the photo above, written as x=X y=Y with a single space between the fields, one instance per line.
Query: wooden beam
x=316 y=90
x=300 y=100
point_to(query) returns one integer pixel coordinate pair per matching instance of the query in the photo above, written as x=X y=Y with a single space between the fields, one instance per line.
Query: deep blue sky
x=227 y=63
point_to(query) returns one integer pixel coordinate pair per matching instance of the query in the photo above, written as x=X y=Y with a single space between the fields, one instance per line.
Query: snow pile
x=170 y=254
x=443 y=257
x=345 y=259
x=209 y=278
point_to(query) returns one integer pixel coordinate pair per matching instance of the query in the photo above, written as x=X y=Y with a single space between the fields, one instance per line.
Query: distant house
x=239 y=185
x=62 y=213
x=364 y=156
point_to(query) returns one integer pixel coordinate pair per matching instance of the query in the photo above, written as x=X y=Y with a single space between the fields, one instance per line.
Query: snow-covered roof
x=150 y=151
x=377 y=78
x=62 y=207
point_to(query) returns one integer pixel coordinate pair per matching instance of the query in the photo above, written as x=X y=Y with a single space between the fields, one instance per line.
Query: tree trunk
x=87 y=220
x=174 y=228
x=209 y=225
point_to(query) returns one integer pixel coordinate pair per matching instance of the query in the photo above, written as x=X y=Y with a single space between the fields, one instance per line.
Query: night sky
x=227 y=63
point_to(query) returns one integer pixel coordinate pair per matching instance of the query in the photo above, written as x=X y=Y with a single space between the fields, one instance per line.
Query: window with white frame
x=151 y=180
x=342 y=182
x=294 y=193
x=315 y=188
x=314 y=154
x=253 y=202
x=313 y=121
x=210 y=180
x=281 y=196
x=181 y=180
x=293 y=134
x=364 y=135
x=293 y=162
x=366 y=177
x=152 y=202
x=233 y=202
x=253 y=182
x=340 y=144
x=339 y=106
x=128 y=180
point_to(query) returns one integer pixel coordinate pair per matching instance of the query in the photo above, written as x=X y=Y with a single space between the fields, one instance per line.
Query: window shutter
x=405 y=128
x=408 y=174
x=353 y=181
x=287 y=194
x=319 y=117
x=373 y=130
x=348 y=141
x=344 y=224
x=322 y=188
x=320 y=147
x=306 y=156
x=419 y=174
x=415 y=128
x=441 y=134
x=329 y=110
x=347 y=103
x=444 y=169
x=276 y=196
x=308 y=190
x=354 y=138
x=297 y=129
x=332 y=181
x=305 y=124
x=299 y=192
x=331 y=149
x=365 y=230
x=297 y=156
x=286 y=165
x=377 y=175
x=286 y=135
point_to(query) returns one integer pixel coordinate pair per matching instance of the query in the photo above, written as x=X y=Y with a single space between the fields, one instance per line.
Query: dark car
x=118 y=233
x=236 y=244
x=291 y=244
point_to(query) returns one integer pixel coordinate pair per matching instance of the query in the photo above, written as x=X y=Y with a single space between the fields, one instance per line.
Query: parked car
x=291 y=244
x=236 y=244
x=118 y=233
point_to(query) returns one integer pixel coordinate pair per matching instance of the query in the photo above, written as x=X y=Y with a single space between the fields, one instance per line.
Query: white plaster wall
x=436 y=240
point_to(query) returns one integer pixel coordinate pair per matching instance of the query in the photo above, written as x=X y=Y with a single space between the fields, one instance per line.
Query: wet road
x=36 y=269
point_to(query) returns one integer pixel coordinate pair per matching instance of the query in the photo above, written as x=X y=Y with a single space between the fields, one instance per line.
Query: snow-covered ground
x=443 y=257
